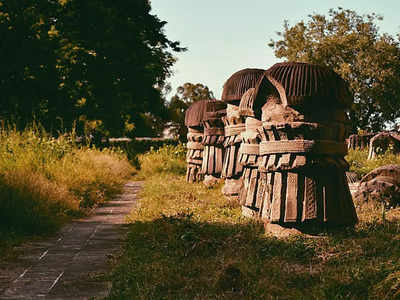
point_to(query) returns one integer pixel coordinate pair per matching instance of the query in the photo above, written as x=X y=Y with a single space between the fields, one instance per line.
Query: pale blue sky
x=225 y=36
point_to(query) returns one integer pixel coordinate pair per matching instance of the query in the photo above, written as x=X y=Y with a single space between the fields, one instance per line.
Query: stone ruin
x=359 y=141
x=382 y=142
x=233 y=90
x=381 y=184
x=213 y=141
x=278 y=139
x=249 y=156
x=302 y=149
x=194 y=157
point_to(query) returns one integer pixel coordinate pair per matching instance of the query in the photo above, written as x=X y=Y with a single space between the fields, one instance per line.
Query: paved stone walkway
x=70 y=265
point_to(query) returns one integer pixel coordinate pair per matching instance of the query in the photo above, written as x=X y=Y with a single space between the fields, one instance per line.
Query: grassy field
x=45 y=181
x=187 y=242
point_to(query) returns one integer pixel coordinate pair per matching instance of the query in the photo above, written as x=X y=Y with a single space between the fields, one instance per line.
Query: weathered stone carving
x=382 y=141
x=194 y=157
x=234 y=88
x=359 y=141
x=213 y=141
x=381 y=184
x=249 y=157
x=302 y=148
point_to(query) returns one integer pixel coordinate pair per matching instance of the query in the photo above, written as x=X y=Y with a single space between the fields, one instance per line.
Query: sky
x=225 y=36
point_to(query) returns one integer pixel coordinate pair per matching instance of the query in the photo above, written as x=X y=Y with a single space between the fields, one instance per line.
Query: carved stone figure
x=233 y=90
x=194 y=157
x=213 y=141
x=381 y=184
x=302 y=148
x=382 y=142
x=249 y=157
x=359 y=141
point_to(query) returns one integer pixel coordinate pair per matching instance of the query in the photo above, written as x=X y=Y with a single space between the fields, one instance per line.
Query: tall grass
x=168 y=159
x=44 y=180
x=361 y=165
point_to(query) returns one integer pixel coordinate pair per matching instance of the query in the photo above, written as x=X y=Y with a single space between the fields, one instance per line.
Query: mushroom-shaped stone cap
x=215 y=110
x=196 y=112
x=303 y=84
x=388 y=171
x=239 y=83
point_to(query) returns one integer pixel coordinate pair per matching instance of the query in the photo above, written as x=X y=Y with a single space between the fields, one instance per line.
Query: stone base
x=210 y=181
x=232 y=187
x=249 y=212
x=311 y=230
x=279 y=231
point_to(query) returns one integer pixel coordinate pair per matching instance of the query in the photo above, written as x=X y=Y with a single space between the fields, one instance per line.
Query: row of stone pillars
x=277 y=137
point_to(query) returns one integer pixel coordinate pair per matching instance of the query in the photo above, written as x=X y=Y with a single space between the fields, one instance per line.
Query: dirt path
x=71 y=264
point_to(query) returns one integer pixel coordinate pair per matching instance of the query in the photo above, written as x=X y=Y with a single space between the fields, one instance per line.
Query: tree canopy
x=186 y=95
x=97 y=61
x=352 y=45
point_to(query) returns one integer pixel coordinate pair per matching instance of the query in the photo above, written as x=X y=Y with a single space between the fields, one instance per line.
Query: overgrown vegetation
x=187 y=242
x=361 y=165
x=44 y=180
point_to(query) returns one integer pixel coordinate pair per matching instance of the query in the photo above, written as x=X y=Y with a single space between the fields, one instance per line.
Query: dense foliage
x=352 y=45
x=103 y=63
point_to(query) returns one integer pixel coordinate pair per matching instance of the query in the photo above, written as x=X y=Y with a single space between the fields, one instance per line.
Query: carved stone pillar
x=194 y=157
x=249 y=159
x=234 y=89
x=213 y=142
x=302 y=149
x=232 y=169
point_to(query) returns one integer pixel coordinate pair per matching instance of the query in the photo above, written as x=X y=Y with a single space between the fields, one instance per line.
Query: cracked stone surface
x=71 y=264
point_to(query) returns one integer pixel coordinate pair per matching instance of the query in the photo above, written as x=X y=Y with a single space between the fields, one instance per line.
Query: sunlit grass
x=187 y=242
x=361 y=165
x=44 y=181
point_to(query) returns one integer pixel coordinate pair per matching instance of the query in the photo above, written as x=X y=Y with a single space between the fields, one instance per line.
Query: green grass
x=45 y=181
x=361 y=165
x=187 y=242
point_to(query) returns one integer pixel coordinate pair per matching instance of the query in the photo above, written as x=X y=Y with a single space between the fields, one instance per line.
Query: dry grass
x=188 y=242
x=44 y=181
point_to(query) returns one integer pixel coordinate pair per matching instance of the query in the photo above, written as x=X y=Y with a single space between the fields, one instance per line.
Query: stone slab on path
x=70 y=265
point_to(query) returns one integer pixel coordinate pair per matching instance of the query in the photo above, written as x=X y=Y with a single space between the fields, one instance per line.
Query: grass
x=361 y=165
x=187 y=242
x=45 y=181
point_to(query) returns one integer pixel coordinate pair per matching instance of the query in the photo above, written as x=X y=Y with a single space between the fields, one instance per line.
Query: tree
x=184 y=97
x=352 y=45
x=84 y=60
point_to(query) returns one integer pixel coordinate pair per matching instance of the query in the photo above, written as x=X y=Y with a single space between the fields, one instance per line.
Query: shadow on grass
x=176 y=257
